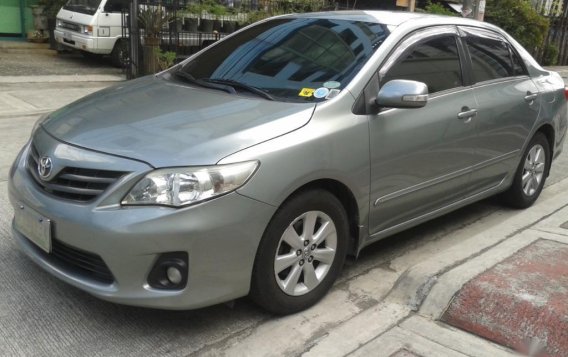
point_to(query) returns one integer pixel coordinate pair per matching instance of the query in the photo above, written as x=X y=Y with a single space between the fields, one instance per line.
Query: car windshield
x=83 y=6
x=290 y=59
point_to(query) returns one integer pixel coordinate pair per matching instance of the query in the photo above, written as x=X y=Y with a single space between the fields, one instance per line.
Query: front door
x=421 y=158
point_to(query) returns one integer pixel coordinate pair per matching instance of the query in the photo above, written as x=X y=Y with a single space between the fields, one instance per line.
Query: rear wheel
x=301 y=253
x=531 y=174
x=119 y=55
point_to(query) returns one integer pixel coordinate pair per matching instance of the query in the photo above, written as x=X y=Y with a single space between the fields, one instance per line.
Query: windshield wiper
x=237 y=84
x=191 y=79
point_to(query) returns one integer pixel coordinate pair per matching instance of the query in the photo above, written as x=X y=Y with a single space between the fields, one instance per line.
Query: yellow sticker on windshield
x=306 y=92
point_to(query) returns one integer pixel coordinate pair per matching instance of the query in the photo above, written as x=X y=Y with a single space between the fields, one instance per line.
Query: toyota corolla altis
x=255 y=166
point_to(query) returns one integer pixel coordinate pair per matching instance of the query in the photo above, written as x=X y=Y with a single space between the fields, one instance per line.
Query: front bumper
x=83 y=42
x=221 y=237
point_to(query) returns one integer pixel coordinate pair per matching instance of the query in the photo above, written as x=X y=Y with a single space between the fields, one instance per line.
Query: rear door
x=508 y=106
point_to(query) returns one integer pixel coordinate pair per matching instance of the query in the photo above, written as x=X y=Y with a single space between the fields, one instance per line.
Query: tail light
x=566 y=93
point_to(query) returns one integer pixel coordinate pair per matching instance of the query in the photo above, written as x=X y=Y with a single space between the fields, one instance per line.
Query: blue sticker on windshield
x=321 y=92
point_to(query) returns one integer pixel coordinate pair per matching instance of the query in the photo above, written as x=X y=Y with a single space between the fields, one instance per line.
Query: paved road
x=41 y=316
x=26 y=59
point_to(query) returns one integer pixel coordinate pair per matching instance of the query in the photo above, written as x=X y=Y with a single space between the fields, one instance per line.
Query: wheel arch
x=548 y=131
x=347 y=199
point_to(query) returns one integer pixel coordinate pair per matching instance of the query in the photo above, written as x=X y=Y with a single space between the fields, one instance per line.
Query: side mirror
x=400 y=93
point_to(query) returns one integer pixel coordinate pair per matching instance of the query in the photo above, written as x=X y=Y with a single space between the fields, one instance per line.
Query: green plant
x=165 y=59
x=520 y=20
x=550 y=55
x=255 y=16
x=153 y=19
x=438 y=9
x=194 y=8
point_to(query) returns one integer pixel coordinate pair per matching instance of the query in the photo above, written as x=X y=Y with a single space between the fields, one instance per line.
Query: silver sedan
x=257 y=165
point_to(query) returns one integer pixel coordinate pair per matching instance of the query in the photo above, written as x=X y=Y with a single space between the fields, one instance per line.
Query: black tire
x=516 y=196
x=265 y=288
x=119 y=56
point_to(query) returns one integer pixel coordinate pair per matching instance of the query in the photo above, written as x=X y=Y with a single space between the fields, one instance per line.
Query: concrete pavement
x=381 y=306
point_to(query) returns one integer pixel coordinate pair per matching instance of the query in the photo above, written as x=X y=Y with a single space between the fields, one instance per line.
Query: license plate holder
x=33 y=226
x=67 y=36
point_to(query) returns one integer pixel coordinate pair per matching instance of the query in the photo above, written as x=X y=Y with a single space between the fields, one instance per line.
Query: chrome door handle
x=530 y=97
x=467 y=113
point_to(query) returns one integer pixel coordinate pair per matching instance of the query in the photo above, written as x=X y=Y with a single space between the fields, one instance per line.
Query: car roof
x=391 y=18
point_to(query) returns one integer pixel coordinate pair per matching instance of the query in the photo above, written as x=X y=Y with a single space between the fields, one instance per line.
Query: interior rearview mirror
x=401 y=93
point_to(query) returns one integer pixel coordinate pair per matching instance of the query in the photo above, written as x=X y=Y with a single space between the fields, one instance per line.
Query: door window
x=492 y=58
x=435 y=62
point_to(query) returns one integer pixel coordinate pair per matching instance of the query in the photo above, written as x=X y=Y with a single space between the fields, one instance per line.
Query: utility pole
x=479 y=9
x=467 y=8
x=134 y=38
x=474 y=9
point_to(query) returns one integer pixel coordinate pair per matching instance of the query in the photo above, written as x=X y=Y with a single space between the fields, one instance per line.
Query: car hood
x=165 y=123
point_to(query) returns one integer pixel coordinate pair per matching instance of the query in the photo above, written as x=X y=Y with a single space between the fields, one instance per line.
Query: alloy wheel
x=305 y=253
x=533 y=170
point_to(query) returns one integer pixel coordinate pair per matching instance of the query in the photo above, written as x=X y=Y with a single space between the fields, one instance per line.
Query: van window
x=435 y=62
x=116 y=5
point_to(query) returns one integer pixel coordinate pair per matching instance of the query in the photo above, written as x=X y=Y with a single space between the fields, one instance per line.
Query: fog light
x=174 y=275
x=169 y=271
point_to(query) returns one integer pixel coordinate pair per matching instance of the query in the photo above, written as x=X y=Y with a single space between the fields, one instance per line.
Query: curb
x=429 y=286
x=63 y=78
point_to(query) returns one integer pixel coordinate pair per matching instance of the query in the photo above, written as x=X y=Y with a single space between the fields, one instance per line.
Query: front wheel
x=531 y=174
x=301 y=253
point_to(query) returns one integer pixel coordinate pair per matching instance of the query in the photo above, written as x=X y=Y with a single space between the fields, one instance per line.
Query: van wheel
x=301 y=253
x=531 y=174
x=119 y=55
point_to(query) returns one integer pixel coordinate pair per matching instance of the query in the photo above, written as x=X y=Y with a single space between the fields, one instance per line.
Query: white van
x=93 y=27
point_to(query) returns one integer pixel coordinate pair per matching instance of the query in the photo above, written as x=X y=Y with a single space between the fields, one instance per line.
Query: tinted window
x=116 y=5
x=285 y=56
x=491 y=58
x=434 y=62
x=518 y=66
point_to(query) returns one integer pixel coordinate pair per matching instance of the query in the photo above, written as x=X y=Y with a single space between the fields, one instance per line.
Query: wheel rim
x=305 y=253
x=533 y=171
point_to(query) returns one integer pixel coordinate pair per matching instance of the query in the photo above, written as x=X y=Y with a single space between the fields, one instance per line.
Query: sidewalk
x=500 y=293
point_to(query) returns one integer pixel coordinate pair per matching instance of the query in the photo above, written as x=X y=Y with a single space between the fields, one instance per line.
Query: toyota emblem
x=44 y=167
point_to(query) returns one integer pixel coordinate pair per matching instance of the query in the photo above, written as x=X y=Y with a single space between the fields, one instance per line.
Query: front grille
x=70 y=26
x=73 y=183
x=85 y=263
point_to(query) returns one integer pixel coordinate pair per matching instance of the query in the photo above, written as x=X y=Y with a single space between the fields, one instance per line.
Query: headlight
x=182 y=186
x=88 y=29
